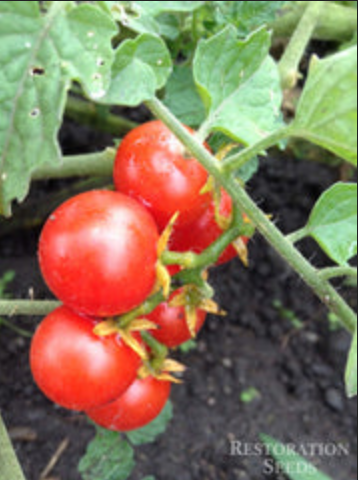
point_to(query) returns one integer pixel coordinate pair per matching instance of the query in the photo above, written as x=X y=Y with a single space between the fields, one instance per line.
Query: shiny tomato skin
x=137 y=407
x=151 y=166
x=198 y=236
x=173 y=329
x=76 y=368
x=98 y=253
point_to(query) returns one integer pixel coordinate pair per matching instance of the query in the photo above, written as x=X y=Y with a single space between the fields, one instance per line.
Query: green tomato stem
x=98 y=117
x=146 y=308
x=160 y=351
x=296 y=237
x=92 y=164
x=336 y=23
x=290 y=62
x=323 y=289
x=336 y=272
x=9 y=465
x=14 y=328
x=209 y=257
x=34 y=308
x=237 y=161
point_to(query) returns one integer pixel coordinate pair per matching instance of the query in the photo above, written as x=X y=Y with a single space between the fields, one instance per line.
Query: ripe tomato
x=173 y=329
x=152 y=167
x=198 y=236
x=140 y=405
x=98 y=253
x=77 y=369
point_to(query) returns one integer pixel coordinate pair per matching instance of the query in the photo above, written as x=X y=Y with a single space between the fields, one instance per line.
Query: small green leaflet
x=333 y=222
x=239 y=85
x=108 y=457
x=39 y=58
x=150 y=433
x=145 y=17
x=327 y=112
x=247 y=16
x=141 y=67
x=351 y=372
x=292 y=464
x=182 y=98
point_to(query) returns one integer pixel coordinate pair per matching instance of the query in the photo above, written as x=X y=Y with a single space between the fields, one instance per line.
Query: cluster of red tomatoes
x=99 y=255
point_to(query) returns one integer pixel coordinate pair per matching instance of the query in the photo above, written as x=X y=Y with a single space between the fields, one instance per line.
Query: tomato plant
x=115 y=238
x=77 y=369
x=193 y=74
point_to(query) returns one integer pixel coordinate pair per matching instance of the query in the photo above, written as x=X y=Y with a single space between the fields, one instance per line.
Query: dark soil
x=297 y=372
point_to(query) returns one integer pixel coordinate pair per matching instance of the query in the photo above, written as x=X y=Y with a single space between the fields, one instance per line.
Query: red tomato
x=98 y=253
x=152 y=166
x=140 y=405
x=198 y=236
x=173 y=329
x=77 y=369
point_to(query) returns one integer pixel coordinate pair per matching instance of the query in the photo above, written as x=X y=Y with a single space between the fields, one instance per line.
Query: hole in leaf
x=37 y=71
x=35 y=113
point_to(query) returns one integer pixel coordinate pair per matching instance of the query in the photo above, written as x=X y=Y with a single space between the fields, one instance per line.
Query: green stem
x=210 y=255
x=97 y=116
x=296 y=237
x=336 y=23
x=336 y=272
x=14 y=328
x=9 y=465
x=237 y=161
x=40 y=308
x=290 y=62
x=160 y=350
x=323 y=289
x=92 y=164
x=145 y=309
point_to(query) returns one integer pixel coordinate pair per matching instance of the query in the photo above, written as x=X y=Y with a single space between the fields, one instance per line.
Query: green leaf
x=327 y=112
x=239 y=84
x=247 y=16
x=188 y=346
x=351 y=372
x=182 y=98
x=144 y=17
x=39 y=58
x=295 y=466
x=250 y=169
x=141 y=67
x=5 y=280
x=155 y=8
x=150 y=433
x=333 y=222
x=108 y=457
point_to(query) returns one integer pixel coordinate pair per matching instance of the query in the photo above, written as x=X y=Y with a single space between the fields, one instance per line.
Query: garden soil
x=275 y=340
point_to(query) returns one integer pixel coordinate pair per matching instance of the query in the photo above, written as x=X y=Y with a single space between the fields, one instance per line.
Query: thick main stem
x=9 y=465
x=39 y=308
x=98 y=117
x=284 y=247
x=290 y=62
x=337 y=23
x=89 y=165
